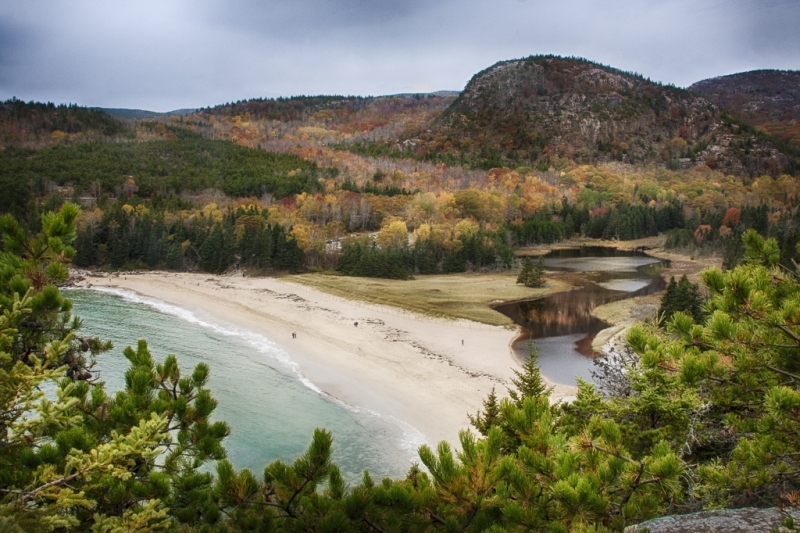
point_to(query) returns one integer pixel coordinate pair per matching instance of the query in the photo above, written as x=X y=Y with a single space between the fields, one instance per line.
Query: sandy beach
x=427 y=372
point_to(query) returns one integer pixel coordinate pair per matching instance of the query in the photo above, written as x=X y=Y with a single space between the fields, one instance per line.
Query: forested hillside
x=540 y=109
x=35 y=124
x=159 y=167
x=532 y=151
x=327 y=119
x=767 y=99
x=142 y=114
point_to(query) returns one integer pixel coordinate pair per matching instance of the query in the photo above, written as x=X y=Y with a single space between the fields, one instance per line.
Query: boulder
x=747 y=520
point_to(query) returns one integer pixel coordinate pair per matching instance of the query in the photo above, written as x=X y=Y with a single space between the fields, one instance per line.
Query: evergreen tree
x=118 y=246
x=76 y=458
x=536 y=278
x=85 y=250
x=669 y=303
x=454 y=262
x=212 y=251
x=292 y=256
x=528 y=381
x=424 y=254
x=681 y=296
x=154 y=246
x=140 y=239
x=692 y=300
x=364 y=258
x=532 y=275
x=525 y=272
x=263 y=248
x=175 y=257
x=484 y=420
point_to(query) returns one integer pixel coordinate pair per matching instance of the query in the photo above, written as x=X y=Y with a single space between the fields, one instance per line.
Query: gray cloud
x=168 y=54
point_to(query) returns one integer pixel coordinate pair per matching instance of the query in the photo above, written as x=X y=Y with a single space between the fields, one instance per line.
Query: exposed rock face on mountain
x=533 y=110
x=769 y=99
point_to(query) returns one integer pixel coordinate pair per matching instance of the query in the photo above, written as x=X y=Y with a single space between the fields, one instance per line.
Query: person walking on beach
x=355 y=323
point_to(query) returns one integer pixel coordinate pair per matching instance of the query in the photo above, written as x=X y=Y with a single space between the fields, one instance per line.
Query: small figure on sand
x=294 y=335
x=355 y=323
x=462 y=342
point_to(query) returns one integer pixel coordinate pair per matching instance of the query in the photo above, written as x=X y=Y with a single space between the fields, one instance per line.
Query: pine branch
x=788 y=332
x=287 y=508
x=437 y=518
x=784 y=372
x=613 y=454
x=29 y=495
x=373 y=526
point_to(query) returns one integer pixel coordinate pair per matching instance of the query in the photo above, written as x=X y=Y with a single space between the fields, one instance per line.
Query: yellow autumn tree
x=393 y=235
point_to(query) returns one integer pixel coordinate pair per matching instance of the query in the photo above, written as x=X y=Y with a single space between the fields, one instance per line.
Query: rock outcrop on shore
x=747 y=520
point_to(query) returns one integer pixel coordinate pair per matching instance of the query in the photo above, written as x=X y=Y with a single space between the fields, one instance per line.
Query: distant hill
x=435 y=93
x=294 y=108
x=143 y=114
x=37 y=124
x=533 y=110
x=337 y=107
x=329 y=119
x=768 y=99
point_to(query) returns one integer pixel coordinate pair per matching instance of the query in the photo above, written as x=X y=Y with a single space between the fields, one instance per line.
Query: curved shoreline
x=558 y=391
x=400 y=365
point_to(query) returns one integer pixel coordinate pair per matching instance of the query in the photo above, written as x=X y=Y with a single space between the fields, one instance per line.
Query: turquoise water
x=271 y=407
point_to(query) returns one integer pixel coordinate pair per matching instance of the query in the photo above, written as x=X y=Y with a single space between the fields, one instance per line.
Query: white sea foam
x=412 y=438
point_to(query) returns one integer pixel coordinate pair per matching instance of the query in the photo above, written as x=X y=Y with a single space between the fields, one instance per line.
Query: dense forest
x=156 y=199
x=151 y=168
x=39 y=124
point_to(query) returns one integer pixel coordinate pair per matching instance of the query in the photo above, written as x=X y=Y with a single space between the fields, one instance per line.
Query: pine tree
x=80 y=459
x=689 y=298
x=484 y=420
x=85 y=253
x=668 y=302
x=212 y=250
x=527 y=268
x=154 y=247
x=532 y=275
x=175 y=257
x=681 y=296
x=118 y=246
x=528 y=382
x=536 y=278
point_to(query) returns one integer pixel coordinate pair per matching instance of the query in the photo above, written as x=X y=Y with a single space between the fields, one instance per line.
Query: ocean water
x=271 y=406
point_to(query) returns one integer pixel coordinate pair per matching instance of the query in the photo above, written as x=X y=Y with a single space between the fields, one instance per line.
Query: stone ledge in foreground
x=747 y=520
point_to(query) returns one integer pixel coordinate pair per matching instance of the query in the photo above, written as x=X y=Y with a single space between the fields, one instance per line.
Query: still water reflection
x=562 y=325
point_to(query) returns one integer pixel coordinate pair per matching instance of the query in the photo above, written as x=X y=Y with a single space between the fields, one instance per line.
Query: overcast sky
x=163 y=55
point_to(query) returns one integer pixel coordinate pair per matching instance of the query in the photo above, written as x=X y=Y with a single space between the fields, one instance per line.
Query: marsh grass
x=452 y=296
